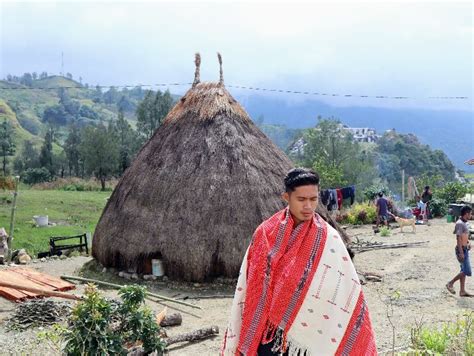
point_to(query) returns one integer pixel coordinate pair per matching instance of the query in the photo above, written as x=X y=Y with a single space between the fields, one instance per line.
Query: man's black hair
x=465 y=209
x=298 y=177
x=427 y=188
x=381 y=194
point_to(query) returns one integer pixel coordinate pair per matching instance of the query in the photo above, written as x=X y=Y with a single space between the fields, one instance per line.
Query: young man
x=298 y=291
x=462 y=252
x=382 y=210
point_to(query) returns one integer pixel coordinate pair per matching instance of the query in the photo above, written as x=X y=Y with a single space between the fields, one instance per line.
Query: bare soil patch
x=419 y=274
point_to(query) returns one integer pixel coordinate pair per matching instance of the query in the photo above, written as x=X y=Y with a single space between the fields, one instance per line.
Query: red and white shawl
x=298 y=286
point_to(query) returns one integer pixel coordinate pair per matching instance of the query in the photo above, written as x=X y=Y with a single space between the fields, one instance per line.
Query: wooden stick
x=401 y=245
x=118 y=286
x=215 y=296
x=12 y=221
x=51 y=293
x=193 y=335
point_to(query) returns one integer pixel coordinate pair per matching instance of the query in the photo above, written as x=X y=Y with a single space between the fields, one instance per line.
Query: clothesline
x=332 y=198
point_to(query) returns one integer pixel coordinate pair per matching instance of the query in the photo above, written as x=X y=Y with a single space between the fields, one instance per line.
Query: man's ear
x=286 y=197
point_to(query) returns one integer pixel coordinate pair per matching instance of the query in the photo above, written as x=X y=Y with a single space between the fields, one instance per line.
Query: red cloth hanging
x=339 y=198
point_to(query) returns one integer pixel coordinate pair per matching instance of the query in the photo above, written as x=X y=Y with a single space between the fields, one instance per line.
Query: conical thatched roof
x=196 y=191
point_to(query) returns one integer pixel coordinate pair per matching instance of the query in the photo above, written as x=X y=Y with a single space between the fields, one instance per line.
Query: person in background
x=426 y=198
x=382 y=210
x=423 y=212
x=462 y=253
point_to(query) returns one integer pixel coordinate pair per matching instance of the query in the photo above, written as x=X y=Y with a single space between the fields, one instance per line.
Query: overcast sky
x=399 y=49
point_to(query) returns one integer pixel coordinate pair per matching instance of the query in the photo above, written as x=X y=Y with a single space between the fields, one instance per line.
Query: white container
x=41 y=220
x=157 y=268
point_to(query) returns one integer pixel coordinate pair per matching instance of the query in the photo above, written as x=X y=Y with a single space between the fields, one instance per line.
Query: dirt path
x=419 y=274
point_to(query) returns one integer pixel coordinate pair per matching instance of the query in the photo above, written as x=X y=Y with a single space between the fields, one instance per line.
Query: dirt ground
x=419 y=274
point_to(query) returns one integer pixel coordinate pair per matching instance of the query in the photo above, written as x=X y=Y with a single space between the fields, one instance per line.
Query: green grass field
x=73 y=212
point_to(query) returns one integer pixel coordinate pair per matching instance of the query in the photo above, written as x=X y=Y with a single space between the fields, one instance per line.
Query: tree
x=7 y=143
x=338 y=159
x=72 y=150
x=43 y=75
x=328 y=148
x=56 y=115
x=60 y=163
x=99 y=150
x=97 y=95
x=27 y=79
x=125 y=104
x=128 y=141
x=152 y=110
x=111 y=96
x=28 y=158
x=46 y=153
x=69 y=76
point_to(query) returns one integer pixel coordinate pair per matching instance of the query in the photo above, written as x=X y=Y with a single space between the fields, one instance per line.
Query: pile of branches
x=38 y=312
x=362 y=245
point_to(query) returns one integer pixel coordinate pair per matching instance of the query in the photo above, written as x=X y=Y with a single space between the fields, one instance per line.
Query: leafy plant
x=438 y=207
x=384 y=231
x=99 y=327
x=359 y=214
x=451 y=192
x=453 y=338
x=371 y=192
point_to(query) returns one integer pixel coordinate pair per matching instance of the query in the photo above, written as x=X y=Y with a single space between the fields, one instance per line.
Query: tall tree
x=152 y=110
x=111 y=96
x=46 y=152
x=29 y=155
x=71 y=148
x=128 y=141
x=7 y=143
x=99 y=150
x=333 y=153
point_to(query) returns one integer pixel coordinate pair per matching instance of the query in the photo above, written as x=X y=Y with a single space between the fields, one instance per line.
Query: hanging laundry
x=325 y=197
x=333 y=200
x=339 y=198
x=349 y=192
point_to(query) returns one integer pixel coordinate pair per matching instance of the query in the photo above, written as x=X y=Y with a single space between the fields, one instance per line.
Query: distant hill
x=21 y=135
x=449 y=130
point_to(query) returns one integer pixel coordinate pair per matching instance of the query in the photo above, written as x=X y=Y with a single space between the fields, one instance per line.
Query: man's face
x=302 y=202
x=467 y=216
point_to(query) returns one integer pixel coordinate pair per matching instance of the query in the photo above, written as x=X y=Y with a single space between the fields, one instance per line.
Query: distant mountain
x=448 y=130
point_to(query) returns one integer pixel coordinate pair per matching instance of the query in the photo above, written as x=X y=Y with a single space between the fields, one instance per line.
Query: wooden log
x=118 y=286
x=172 y=320
x=195 y=335
x=40 y=291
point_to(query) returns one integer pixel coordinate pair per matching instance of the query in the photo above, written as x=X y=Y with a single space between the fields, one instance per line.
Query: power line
x=283 y=91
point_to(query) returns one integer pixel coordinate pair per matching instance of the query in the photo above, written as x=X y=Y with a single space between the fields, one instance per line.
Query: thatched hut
x=195 y=192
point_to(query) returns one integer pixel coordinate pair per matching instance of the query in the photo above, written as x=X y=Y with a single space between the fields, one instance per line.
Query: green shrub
x=384 y=231
x=451 y=338
x=451 y=192
x=36 y=175
x=75 y=184
x=97 y=327
x=438 y=207
x=371 y=192
x=359 y=214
